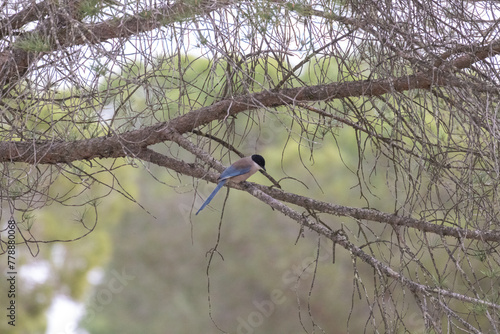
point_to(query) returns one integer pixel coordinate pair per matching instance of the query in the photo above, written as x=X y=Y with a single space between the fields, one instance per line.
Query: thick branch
x=133 y=141
x=148 y=20
x=15 y=62
x=30 y=13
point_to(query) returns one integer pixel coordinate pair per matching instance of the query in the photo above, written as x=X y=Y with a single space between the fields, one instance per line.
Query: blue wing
x=219 y=185
x=238 y=168
x=233 y=171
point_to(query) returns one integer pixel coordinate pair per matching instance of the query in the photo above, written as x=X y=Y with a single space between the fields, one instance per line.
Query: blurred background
x=146 y=265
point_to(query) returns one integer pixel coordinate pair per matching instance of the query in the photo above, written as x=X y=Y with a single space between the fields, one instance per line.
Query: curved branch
x=14 y=62
x=121 y=145
x=32 y=12
x=133 y=141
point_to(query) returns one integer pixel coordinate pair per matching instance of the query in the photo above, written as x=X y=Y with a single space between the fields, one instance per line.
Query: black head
x=259 y=160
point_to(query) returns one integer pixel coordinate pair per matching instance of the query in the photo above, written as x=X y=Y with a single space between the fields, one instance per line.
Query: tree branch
x=378 y=216
x=32 y=12
x=133 y=141
x=272 y=197
x=14 y=62
x=339 y=238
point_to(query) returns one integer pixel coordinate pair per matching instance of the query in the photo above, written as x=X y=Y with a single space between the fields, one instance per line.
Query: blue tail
x=219 y=185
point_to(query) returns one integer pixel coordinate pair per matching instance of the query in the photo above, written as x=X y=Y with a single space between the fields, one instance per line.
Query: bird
x=237 y=172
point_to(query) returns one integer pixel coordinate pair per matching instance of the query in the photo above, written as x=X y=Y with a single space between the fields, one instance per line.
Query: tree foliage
x=415 y=83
